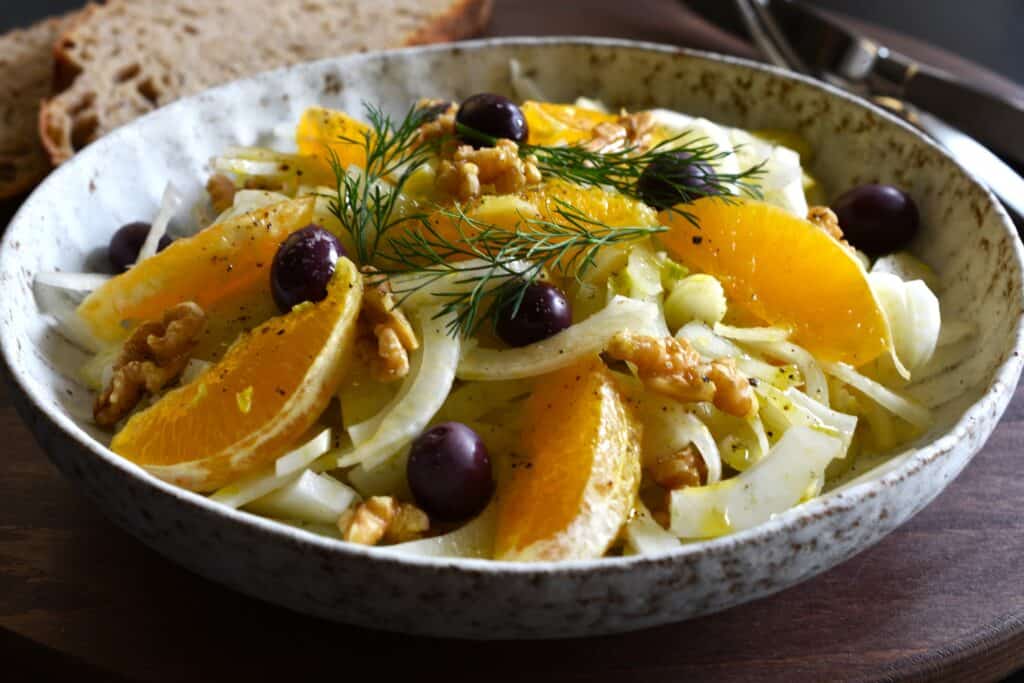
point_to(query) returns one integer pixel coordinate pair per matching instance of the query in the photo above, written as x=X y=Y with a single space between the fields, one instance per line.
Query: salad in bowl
x=514 y=330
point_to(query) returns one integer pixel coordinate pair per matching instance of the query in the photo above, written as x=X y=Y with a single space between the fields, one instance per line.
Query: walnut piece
x=669 y=366
x=488 y=170
x=826 y=219
x=222 y=192
x=386 y=337
x=672 y=367
x=630 y=131
x=441 y=127
x=154 y=355
x=733 y=392
x=679 y=470
x=383 y=518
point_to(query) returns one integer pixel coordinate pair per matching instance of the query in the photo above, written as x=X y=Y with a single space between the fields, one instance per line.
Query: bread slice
x=127 y=57
x=26 y=65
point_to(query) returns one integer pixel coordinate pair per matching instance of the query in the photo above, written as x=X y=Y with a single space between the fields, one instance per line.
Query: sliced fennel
x=644 y=536
x=902 y=407
x=317 y=498
x=563 y=349
x=641 y=278
x=913 y=315
x=72 y=282
x=845 y=425
x=58 y=295
x=250 y=200
x=363 y=404
x=423 y=393
x=780 y=411
x=261 y=483
x=907 y=267
x=305 y=454
x=714 y=347
x=794 y=468
x=474 y=540
x=169 y=205
x=388 y=479
x=757 y=427
x=814 y=377
x=98 y=370
x=697 y=297
x=752 y=334
x=473 y=400
x=668 y=427
x=524 y=87
x=782 y=180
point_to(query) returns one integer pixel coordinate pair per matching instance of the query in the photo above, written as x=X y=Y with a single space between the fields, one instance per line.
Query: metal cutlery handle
x=988 y=117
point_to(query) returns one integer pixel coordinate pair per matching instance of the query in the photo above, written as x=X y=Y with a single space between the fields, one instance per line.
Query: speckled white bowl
x=967 y=237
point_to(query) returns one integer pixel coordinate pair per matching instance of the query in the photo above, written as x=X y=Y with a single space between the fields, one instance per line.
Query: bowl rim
x=846 y=497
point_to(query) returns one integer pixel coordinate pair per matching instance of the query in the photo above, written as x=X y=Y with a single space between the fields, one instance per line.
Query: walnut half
x=679 y=470
x=631 y=131
x=386 y=337
x=672 y=367
x=488 y=170
x=222 y=192
x=383 y=518
x=826 y=219
x=153 y=356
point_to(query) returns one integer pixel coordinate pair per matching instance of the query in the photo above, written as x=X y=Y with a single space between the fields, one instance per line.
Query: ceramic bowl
x=966 y=237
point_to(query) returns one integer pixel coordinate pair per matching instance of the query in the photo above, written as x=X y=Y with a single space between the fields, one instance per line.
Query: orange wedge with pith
x=785 y=271
x=575 y=486
x=257 y=402
x=219 y=268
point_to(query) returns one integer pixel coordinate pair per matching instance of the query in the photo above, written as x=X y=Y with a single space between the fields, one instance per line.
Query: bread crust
x=463 y=20
x=460 y=19
x=23 y=170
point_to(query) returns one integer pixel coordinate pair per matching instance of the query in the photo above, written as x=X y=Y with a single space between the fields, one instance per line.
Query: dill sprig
x=365 y=201
x=485 y=268
x=621 y=169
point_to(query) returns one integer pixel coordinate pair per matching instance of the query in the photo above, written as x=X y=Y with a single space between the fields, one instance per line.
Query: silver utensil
x=796 y=37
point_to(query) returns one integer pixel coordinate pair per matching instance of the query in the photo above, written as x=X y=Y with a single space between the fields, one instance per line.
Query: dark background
x=990 y=32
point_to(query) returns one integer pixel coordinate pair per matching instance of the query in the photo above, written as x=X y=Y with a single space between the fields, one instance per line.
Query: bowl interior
x=64 y=225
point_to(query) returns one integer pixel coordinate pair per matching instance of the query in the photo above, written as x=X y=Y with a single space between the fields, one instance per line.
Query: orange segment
x=575 y=488
x=785 y=271
x=513 y=211
x=611 y=208
x=321 y=129
x=561 y=124
x=217 y=268
x=249 y=408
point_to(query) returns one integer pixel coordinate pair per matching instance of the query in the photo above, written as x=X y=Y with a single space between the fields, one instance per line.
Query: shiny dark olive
x=544 y=311
x=877 y=219
x=430 y=112
x=675 y=178
x=127 y=242
x=449 y=472
x=492 y=115
x=303 y=266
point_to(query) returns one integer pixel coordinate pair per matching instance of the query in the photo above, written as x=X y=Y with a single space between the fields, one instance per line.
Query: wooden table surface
x=940 y=598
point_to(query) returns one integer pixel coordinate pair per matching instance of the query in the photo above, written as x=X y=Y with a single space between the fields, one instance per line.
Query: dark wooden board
x=941 y=598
